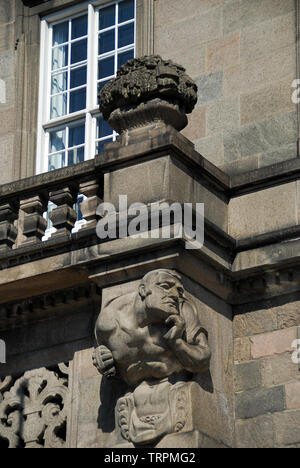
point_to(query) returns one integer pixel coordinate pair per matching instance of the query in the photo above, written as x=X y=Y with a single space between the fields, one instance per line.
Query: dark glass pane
x=124 y=57
x=126 y=10
x=78 y=77
x=76 y=135
x=107 y=17
x=107 y=42
x=56 y=161
x=60 y=33
x=103 y=128
x=59 y=57
x=106 y=67
x=79 y=27
x=79 y=51
x=100 y=145
x=57 y=141
x=77 y=100
x=126 y=35
x=75 y=156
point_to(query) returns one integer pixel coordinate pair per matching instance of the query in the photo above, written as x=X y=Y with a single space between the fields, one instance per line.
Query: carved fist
x=103 y=360
x=177 y=328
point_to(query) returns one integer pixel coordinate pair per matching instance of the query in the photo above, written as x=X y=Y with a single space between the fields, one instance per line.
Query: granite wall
x=266 y=380
x=242 y=53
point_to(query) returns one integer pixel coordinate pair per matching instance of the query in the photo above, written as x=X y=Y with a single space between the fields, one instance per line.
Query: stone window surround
x=28 y=25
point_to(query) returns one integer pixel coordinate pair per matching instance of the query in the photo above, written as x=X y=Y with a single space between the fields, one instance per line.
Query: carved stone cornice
x=15 y=313
x=33 y=3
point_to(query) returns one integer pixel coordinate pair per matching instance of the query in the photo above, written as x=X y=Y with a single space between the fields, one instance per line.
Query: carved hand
x=176 y=331
x=103 y=360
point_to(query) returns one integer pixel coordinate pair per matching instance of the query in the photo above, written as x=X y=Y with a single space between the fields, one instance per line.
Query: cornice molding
x=13 y=314
x=33 y=3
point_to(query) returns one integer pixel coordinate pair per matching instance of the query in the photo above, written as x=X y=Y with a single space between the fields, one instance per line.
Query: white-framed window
x=81 y=49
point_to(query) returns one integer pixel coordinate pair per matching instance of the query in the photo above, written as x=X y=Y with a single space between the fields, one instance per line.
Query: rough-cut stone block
x=7 y=11
x=246 y=77
x=242 y=350
x=277 y=342
x=239 y=166
x=8 y=123
x=171 y=40
x=7 y=62
x=86 y=367
x=278 y=369
x=211 y=148
x=287 y=427
x=292 y=392
x=255 y=322
x=261 y=136
x=272 y=99
x=6 y=158
x=255 y=433
x=6 y=38
x=263 y=211
x=176 y=11
x=288 y=314
x=283 y=153
x=263 y=38
x=222 y=53
x=239 y=14
x=191 y=58
x=196 y=128
x=210 y=88
x=223 y=115
x=254 y=403
x=247 y=376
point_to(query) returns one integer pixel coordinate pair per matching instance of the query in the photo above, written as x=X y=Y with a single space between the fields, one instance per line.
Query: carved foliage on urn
x=146 y=90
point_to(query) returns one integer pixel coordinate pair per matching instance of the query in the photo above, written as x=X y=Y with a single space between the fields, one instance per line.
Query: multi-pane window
x=81 y=50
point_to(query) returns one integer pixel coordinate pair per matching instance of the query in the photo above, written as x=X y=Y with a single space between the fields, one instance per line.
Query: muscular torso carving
x=151 y=334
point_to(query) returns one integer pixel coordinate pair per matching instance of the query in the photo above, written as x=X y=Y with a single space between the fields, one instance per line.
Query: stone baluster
x=64 y=216
x=8 y=232
x=89 y=206
x=34 y=223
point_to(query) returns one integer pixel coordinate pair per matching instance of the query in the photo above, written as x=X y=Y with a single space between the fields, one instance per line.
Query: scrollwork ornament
x=33 y=413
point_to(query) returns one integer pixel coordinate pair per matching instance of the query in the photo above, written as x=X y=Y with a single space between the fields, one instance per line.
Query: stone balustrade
x=23 y=205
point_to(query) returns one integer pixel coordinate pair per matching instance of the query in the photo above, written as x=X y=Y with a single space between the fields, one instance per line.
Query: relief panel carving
x=152 y=340
x=34 y=409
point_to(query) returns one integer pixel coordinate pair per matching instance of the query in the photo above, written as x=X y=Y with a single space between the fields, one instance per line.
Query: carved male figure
x=151 y=334
x=144 y=338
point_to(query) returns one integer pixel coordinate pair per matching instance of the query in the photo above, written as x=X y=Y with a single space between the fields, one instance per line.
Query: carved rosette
x=147 y=90
x=33 y=413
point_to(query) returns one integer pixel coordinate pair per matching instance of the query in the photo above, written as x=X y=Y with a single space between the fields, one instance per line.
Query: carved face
x=163 y=294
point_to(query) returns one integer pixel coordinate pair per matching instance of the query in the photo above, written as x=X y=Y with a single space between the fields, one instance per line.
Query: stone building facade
x=239 y=155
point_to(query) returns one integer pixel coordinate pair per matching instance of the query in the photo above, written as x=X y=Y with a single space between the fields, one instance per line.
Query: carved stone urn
x=147 y=90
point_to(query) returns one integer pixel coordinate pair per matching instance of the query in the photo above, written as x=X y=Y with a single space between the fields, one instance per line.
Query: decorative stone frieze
x=147 y=90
